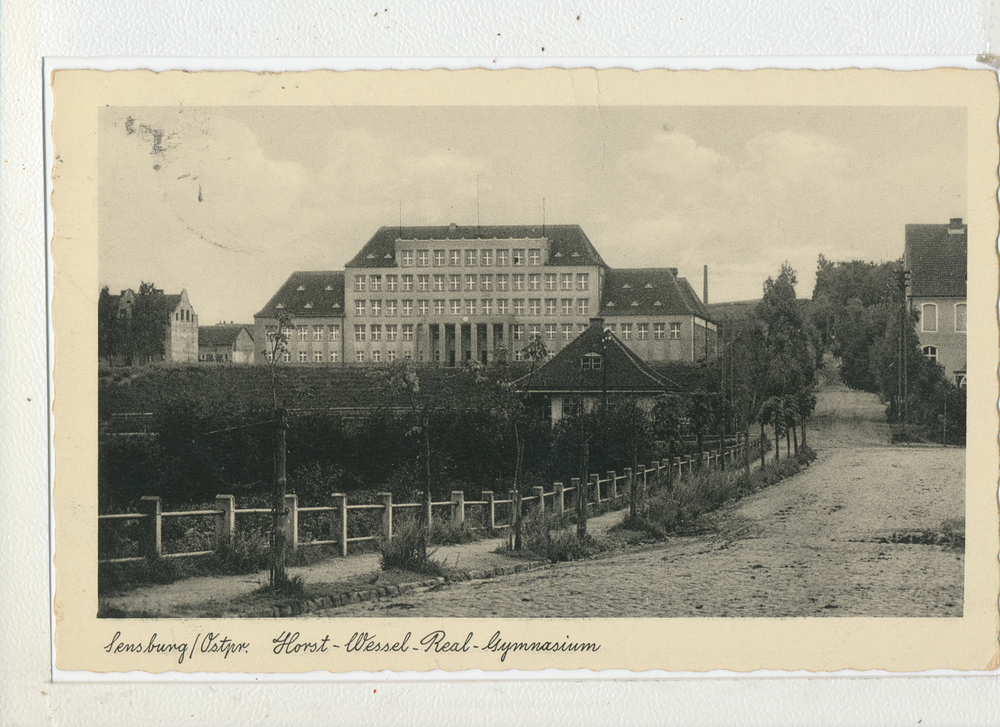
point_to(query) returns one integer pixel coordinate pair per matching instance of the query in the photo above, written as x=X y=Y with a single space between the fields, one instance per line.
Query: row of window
x=456 y=282
x=929 y=317
x=640 y=331
x=181 y=315
x=472 y=306
x=483 y=258
x=304 y=333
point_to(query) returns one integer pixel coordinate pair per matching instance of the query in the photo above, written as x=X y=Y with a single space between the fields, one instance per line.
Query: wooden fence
x=615 y=489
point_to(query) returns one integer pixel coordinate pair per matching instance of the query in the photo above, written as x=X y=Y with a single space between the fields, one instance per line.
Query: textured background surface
x=32 y=30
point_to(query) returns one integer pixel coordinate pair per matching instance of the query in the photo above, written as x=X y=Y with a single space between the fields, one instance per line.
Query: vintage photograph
x=532 y=362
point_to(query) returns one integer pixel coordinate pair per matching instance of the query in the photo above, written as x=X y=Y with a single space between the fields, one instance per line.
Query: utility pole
x=278 y=513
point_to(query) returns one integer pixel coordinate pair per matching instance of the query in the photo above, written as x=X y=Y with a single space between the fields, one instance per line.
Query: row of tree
x=131 y=334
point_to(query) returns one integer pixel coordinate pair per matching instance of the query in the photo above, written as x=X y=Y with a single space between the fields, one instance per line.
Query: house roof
x=308 y=294
x=222 y=334
x=936 y=257
x=649 y=292
x=568 y=244
x=621 y=370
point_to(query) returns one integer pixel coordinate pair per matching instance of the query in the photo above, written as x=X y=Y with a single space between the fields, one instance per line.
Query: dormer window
x=280 y=305
x=301 y=287
x=649 y=285
x=329 y=287
x=308 y=305
x=591 y=362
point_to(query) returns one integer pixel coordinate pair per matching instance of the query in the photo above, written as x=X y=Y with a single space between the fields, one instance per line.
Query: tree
x=107 y=325
x=135 y=331
x=275 y=344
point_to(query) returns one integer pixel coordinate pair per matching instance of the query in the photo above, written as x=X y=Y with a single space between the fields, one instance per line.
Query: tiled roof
x=568 y=244
x=223 y=334
x=649 y=292
x=621 y=370
x=936 y=258
x=308 y=294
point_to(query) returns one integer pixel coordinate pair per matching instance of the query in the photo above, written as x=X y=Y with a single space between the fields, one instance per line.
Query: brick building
x=226 y=343
x=936 y=257
x=181 y=338
x=449 y=295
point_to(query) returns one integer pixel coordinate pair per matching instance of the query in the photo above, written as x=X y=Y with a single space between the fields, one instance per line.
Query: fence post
x=559 y=503
x=225 y=524
x=512 y=496
x=292 y=522
x=152 y=506
x=458 y=507
x=540 y=494
x=491 y=522
x=655 y=466
x=613 y=495
x=630 y=479
x=597 y=488
x=338 y=523
x=387 y=515
x=575 y=484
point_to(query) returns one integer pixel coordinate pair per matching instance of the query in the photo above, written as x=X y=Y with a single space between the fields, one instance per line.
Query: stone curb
x=389 y=592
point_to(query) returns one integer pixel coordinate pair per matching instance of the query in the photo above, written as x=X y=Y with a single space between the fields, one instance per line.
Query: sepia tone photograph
x=526 y=362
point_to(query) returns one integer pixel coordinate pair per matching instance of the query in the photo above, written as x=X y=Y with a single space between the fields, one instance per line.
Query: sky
x=228 y=201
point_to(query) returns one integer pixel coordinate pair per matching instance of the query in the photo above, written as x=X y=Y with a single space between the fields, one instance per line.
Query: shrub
x=251 y=552
x=446 y=532
x=546 y=537
x=407 y=550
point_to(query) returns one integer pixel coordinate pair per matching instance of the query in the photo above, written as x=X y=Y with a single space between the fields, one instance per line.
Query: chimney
x=704 y=297
x=956 y=222
x=673 y=271
x=597 y=323
x=451 y=227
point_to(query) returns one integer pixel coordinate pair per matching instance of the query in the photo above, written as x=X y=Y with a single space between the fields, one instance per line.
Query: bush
x=407 y=550
x=546 y=537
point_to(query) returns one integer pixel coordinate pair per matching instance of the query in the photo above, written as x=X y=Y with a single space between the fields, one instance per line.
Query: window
x=390 y=332
x=334 y=357
x=439 y=258
x=550 y=281
x=318 y=357
x=407 y=308
x=643 y=332
x=407 y=283
x=550 y=306
x=535 y=281
x=470 y=282
x=519 y=355
x=438 y=283
x=503 y=282
x=534 y=331
x=675 y=330
x=503 y=258
x=455 y=258
x=581 y=327
x=375 y=282
x=423 y=283
x=286 y=332
x=286 y=356
x=376 y=307
x=406 y=260
x=303 y=332
x=567 y=306
x=519 y=306
x=361 y=357
x=626 y=331
x=534 y=257
x=470 y=307
x=390 y=308
x=376 y=333
x=930 y=352
x=359 y=308
x=567 y=331
x=407 y=355
x=487 y=306
x=423 y=258
x=582 y=306
x=960 y=317
x=583 y=281
x=391 y=282
x=334 y=333
x=390 y=356
x=420 y=356
x=502 y=306
x=928 y=317
x=439 y=307
x=517 y=258
x=471 y=257
x=303 y=357
x=486 y=282
x=659 y=331
x=317 y=333
x=407 y=331
x=376 y=356
x=535 y=306
x=550 y=331
x=517 y=331
x=454 y=282
x=518 y=281
x=455 y=306
x=423 y=307
x=486 y=258
x=359 y=283
x=566 y=281
x=591 y=362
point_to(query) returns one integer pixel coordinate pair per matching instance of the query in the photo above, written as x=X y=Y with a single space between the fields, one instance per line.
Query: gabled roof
x=308 y=294
x=621 y=370
x=936 y=257
x=649 y=292
x=222 y=334
x=568 y=244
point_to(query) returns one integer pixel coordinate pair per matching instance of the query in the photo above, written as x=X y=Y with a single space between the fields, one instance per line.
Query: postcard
x=571 y=369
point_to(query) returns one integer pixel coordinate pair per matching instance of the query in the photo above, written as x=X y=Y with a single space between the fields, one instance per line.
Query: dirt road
x=868 y=530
